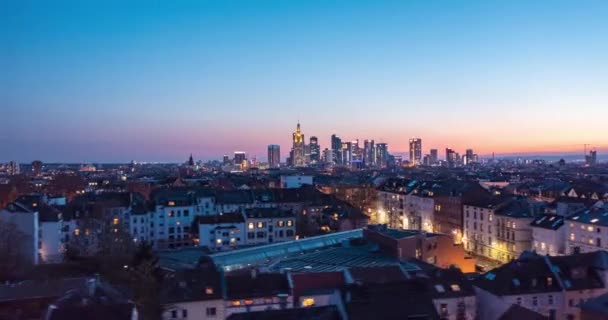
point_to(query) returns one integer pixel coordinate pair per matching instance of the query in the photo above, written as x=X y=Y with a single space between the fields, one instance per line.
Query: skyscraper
x=336 y=148
x=591 y=159
x=451 y=157
x=315 y=150
x=274 y=156
x=368 y=153
x=239 y=157
x=381 y=155
x=298 y=157
x=328 y=156
x=415 y=151
x=346 y=152
x=434 y=159
x=469 y=157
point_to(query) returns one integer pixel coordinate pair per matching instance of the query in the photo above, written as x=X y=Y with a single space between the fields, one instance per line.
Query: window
x=251 y=235
x=211 y=312
x=455 y=287
x=115 y=221
x=236 y=303
x=549 y=281
x=443 y=309
x=186 y=213
x=308 y=302
x=184 y=313
x=519 y=300
x=170 y=214
x=173 y=314
x=535 y=301
x=280 y=223
x=260 y=225
x=572 y=237
x=209 y=290
x=289 y=233
x=439 y=288
x=171 y=230
x=248 y=302
x=550 y=299
x=250 y=225
x=290 y=223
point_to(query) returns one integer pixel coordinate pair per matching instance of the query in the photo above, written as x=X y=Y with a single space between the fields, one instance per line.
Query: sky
x=114 y=81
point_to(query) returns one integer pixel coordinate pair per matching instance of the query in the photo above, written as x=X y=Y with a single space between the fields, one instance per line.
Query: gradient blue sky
x=88 y=81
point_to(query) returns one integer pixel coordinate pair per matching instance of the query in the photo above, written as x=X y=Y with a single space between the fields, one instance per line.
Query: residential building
x=222 y=231
x=268 y=225
x=433 y=248
x=549 y=235
x=587 y=230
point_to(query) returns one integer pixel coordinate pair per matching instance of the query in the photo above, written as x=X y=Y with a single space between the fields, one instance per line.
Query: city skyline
x=110 y=83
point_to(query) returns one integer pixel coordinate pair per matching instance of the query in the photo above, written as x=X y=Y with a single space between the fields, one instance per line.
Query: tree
x=145 y=282
x=12 y=258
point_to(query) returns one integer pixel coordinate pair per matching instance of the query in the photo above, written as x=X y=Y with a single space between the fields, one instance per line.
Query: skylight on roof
x=439 y=288
x=575 y=218
x=490 y=276
x=455 y=287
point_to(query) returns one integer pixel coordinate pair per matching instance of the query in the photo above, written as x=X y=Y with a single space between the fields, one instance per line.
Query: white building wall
x=51 y=246
x=587 y=237
x=548 y=241
x=27 y=223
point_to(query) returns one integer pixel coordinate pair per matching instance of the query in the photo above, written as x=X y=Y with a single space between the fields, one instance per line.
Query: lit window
x=250 y=225
x=248 y=302
x=115 y=221
x=308 y=302
x=236 y=302
x=209 y=290
x=572 y=237
x=281 y=223
x=590 y=241
x=77 y=232
x=455 y=287
x=170 y=214
x=171 y=203
x=289 y=223
x=260 y=225
x=594 y=221
x=219 y=241
x=590 y=228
